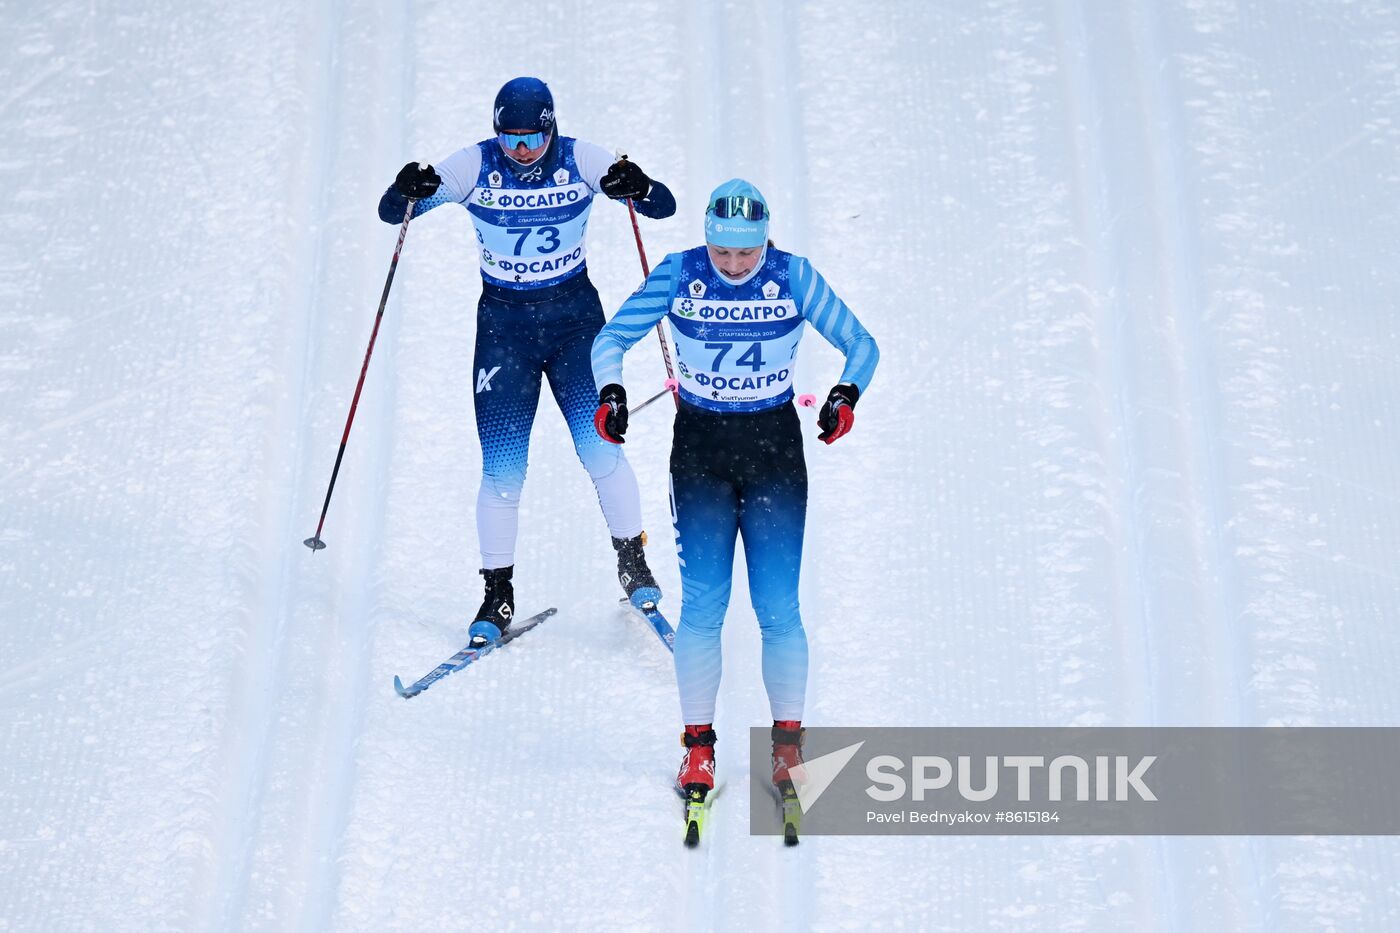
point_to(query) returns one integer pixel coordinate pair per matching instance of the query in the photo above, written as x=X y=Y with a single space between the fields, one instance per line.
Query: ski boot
x=696 y=778
x=633 y=572
x=496 y=610
x=787 y=756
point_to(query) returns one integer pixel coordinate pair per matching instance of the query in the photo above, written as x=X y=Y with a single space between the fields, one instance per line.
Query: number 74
x=752 y=357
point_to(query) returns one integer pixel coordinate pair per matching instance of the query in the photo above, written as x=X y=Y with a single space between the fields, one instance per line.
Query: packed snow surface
x=1130 y=457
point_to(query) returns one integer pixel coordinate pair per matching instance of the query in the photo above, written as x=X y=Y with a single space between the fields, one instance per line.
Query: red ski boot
x=698 y=765
x=696 y=777
x=787 y=755
x=787 y=751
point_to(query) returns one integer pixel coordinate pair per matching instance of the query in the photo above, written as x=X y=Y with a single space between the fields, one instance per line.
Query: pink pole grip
x=672 y=385
x=807 y=400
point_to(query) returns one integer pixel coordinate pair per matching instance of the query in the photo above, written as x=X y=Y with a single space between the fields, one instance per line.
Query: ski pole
x=669 y=388
x=660 y=333
x=314 y=542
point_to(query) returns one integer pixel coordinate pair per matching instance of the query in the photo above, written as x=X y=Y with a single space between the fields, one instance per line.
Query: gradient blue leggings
x=731 y=475
x=516 y=344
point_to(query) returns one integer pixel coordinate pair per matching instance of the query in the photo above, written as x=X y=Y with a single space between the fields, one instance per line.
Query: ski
x=652 y=616
x=697 y=806
x=468 y=655
x=792 y=814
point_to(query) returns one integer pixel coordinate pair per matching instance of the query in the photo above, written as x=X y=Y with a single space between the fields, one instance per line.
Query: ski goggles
x=739 y=206
x=531 y=140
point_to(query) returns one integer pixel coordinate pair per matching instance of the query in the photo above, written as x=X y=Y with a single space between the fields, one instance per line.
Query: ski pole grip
x=673 y=385
x=807 y=400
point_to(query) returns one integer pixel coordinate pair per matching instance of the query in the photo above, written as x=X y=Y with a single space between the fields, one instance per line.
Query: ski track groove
x=263 y=678
x=1095 y=219
x=1283 y=608
x=346 y=696
x=718 y=148
x=1209 y=516
x=701 y=902
x=1170 y=502
x=792 y=887
x=738 y=147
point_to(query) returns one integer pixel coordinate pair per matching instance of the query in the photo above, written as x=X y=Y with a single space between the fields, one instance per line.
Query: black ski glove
x=417 y=180
x=625 y=180
x=610 y=420
x=838 y=414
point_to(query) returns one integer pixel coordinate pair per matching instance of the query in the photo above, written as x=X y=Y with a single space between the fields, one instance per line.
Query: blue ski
x=468 y=655
x=653 y=617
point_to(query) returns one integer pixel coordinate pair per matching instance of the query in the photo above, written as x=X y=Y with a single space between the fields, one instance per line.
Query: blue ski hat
x=524 y=104
x=737 y=216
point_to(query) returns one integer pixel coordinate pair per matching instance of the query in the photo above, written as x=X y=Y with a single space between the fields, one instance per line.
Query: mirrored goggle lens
x=531 y=140
x=747 y=208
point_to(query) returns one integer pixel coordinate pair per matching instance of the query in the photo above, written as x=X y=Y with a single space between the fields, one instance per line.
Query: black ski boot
x=633 y=572
x=497 y=609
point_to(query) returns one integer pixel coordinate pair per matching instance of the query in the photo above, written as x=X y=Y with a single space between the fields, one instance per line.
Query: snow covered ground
x=1130 y=457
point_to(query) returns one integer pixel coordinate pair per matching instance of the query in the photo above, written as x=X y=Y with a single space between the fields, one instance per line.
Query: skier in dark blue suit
x=737 y=307
x=529 y=192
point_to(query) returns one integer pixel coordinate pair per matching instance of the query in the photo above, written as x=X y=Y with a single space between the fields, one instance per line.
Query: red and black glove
x=610 y=420
x=838 y=413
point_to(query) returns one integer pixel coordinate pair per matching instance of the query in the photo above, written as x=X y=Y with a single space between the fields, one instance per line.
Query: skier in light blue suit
x=737 y=307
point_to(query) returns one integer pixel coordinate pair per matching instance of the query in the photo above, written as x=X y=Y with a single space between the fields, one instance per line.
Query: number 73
x=551 y=235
